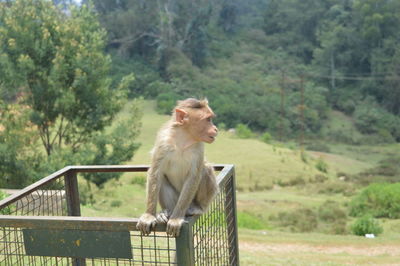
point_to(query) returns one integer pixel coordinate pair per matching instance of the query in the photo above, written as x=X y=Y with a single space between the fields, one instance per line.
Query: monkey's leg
x=168 y=198
x=207 y=190
x=194 y=209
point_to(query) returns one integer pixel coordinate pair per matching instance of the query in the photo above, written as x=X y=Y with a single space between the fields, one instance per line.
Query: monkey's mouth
x=212 y=138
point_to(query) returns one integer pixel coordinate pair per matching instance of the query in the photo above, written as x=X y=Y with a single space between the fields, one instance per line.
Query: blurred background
x=307 y=97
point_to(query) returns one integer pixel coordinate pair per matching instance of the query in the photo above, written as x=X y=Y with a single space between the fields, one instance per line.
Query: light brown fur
x=178 y=176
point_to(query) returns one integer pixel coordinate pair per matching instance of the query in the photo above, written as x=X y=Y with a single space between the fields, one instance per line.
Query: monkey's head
x=196 y=117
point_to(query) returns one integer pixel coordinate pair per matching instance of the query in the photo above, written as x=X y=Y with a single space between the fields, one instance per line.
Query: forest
x=276 y=69
x=275 y=66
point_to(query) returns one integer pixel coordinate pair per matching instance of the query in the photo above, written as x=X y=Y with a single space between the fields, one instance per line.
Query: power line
x=390 y=78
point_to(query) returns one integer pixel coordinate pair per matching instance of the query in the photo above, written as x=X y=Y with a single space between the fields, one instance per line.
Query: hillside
x=257 y=163
x=261 y=233
x=271 y=176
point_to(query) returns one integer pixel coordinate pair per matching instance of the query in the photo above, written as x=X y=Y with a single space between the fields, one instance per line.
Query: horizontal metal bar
x=73 y=223
x=31 y=188
x=109 y=168
x=121 y=168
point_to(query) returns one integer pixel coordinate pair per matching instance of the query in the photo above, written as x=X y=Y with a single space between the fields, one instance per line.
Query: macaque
x=178 y=176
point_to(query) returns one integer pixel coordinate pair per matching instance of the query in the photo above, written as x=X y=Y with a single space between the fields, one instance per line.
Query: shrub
x=331 y=212
x=378 y=200
x=266 y=137
x=222 y=126
x=243 y=131
x=300 y=220
x=318 y=178
x=116 y=203
x=366 y=225
x=139 y=180
x=298 y=180
x=370 y=118
x=321 y=165
x=318 y=146
x=335 y=187
x=6 y=210
x=166 y=101
x=246 y=220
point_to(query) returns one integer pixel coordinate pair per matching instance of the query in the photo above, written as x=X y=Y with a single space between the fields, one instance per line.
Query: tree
x=52 y=62
x=159 y=27
x=294 y=22
x=56 y=61
x=19 y=159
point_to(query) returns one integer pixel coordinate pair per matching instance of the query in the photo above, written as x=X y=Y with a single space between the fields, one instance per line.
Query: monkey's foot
x=174 y=226
x=194 y=210
x=163 y=216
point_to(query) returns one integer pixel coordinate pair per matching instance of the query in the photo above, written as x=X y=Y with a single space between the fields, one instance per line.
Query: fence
x=43 y=226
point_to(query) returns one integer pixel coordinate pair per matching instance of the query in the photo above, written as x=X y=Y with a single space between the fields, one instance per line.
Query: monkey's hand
x=174 y=226
x=146 y=222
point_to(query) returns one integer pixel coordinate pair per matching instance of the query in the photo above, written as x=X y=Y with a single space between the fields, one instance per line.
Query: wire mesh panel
x=46 y=200
x=51 y=206
x=214 y=233
x=155 y=249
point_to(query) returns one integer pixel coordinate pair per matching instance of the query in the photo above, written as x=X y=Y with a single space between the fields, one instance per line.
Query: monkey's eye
x=209 y=119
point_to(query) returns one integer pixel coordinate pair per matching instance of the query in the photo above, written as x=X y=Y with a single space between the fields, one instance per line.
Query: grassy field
x=263 y=174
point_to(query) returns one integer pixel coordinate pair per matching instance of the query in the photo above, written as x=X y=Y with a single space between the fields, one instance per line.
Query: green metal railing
x=43 y=226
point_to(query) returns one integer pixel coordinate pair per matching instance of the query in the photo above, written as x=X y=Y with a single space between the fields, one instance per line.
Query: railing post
x=73 y=204
x=72 y=194
x=184 y=246
x=231 y=219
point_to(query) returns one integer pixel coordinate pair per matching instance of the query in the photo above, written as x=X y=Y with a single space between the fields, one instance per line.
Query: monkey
x=179 y=177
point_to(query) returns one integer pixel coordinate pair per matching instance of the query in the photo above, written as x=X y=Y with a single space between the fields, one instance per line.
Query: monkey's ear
x=180 y=116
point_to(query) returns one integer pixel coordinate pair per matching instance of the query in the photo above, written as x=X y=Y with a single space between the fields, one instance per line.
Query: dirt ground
x=391 y=250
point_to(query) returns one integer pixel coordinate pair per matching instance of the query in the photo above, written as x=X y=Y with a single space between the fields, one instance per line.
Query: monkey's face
x=202 y=126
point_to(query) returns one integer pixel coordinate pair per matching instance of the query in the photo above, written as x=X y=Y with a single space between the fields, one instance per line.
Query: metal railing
x=42 y=225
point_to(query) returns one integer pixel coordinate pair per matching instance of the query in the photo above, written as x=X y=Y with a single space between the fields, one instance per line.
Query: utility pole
x=281 y=129
x=302 y=107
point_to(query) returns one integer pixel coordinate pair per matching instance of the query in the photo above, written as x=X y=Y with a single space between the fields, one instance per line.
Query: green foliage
x=20 y=160
x=115 y=203
x=139 y=180
x=249 y=221
x=147 y=82
x=55 y=73
x=179 y=49
x=321 y=165
x=320 y=178
x=366 y=225
x=243 y=131
x=318 y=146
x=334 y=216
x=266 y=137
x=335 y=187
x=6 y=210
x=60 y=68
x=330 y=211
x=296 y=181
x=372 y=119
x=299 y=220
x=166 y=102
x=378 y=200
x=111 y=148
x=151 y=29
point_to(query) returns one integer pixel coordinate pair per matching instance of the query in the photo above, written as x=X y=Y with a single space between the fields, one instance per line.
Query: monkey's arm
x=148 y=220
x=185 y=199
